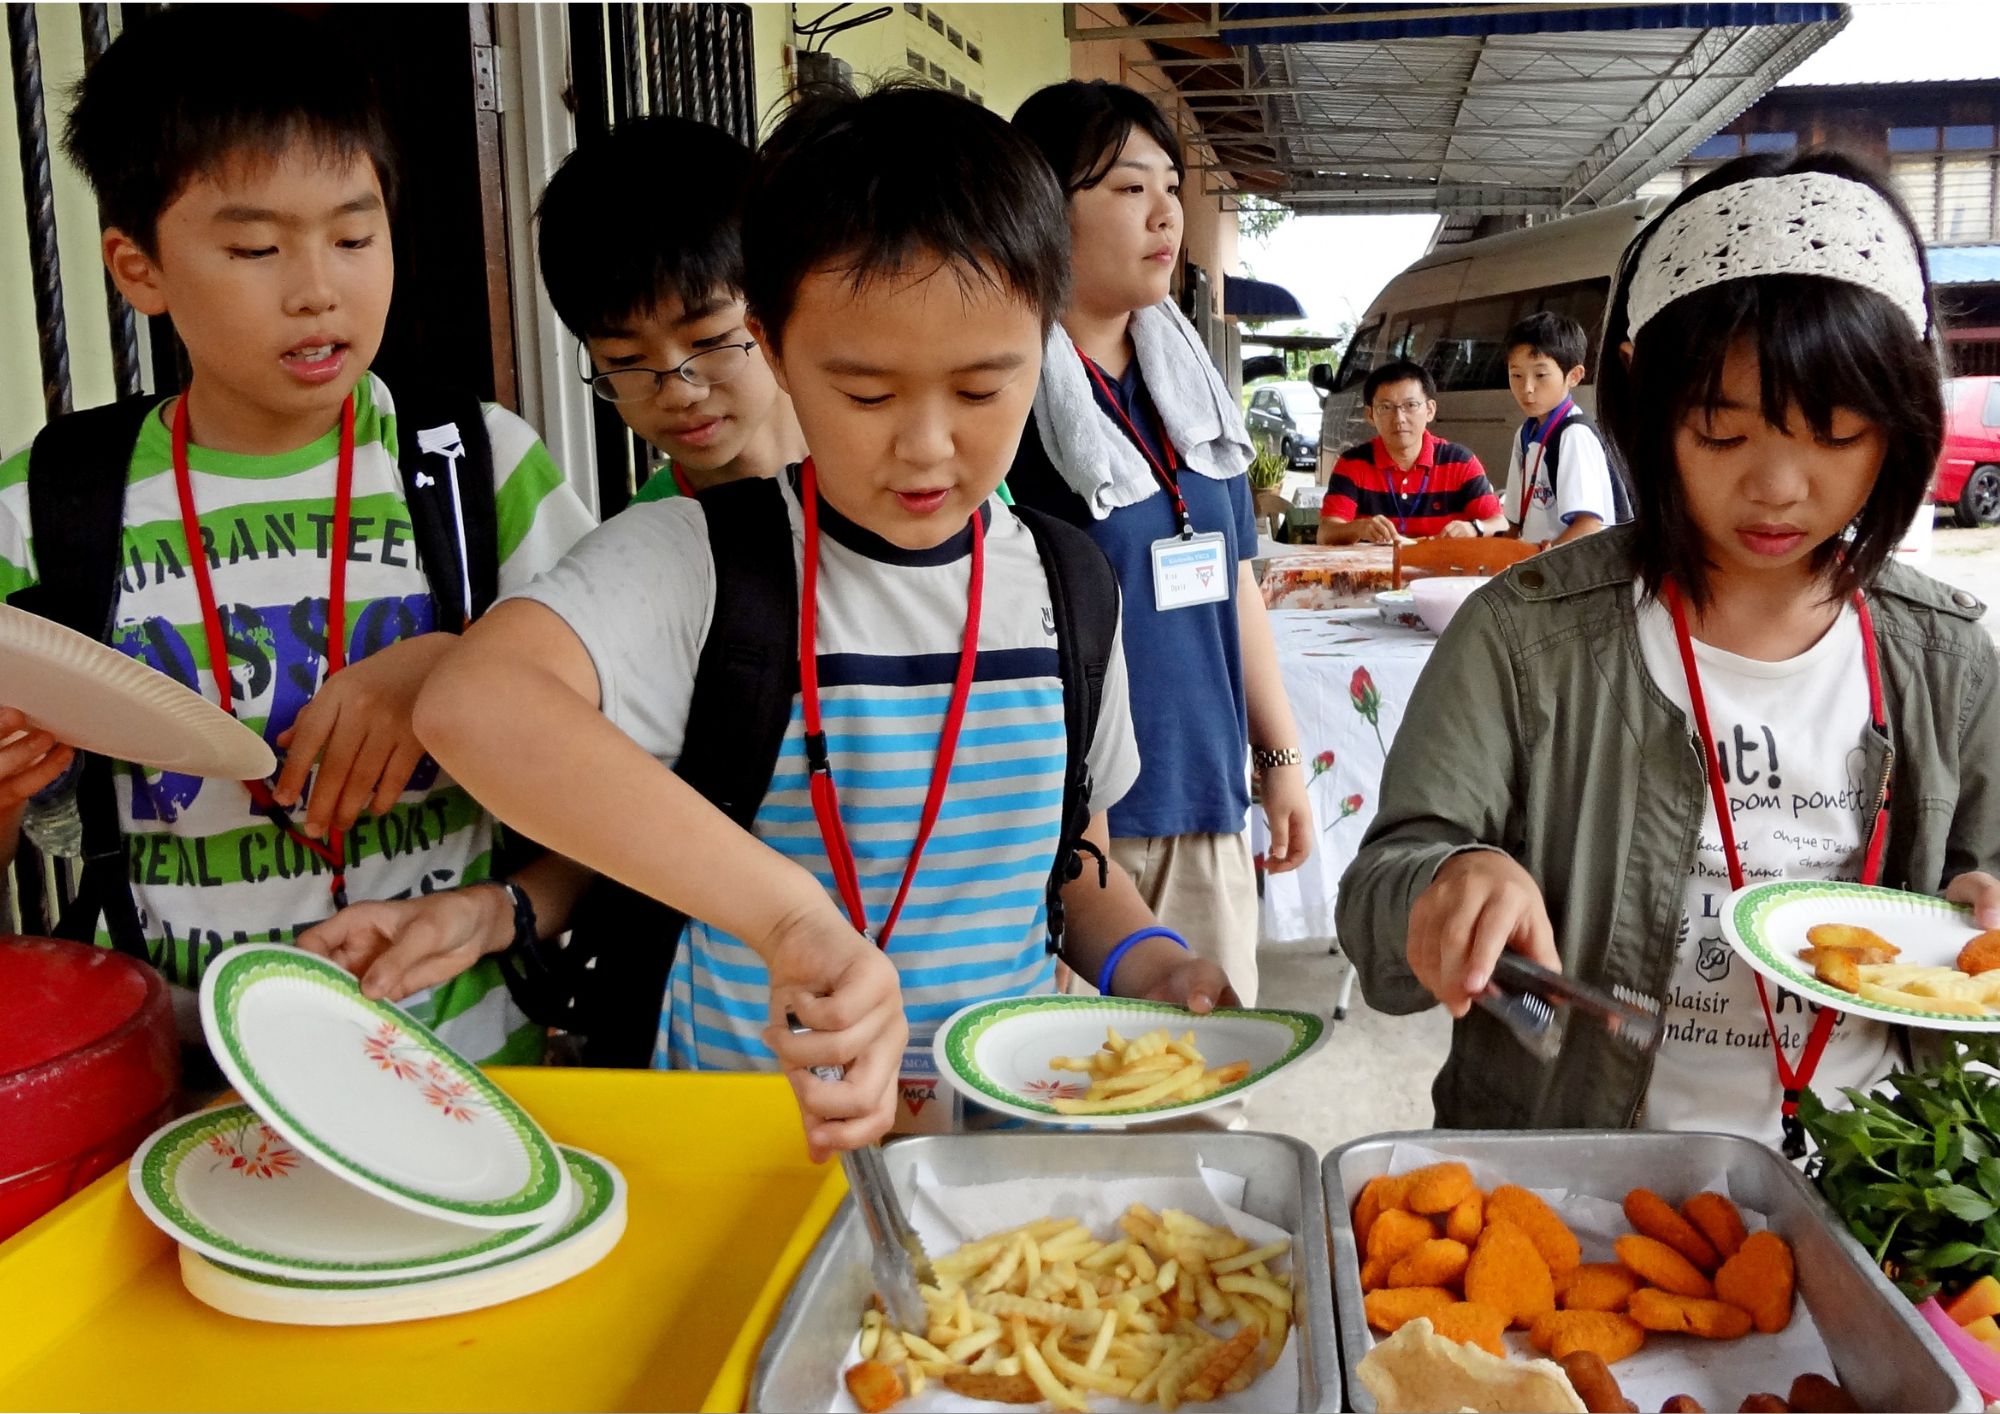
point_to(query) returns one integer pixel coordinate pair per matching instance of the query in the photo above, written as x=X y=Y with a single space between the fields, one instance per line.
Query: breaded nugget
x=1367 y=1208
x=1595 y=1385
x=1763 y=1404
x=1687 y=1315
x=1470 y=1323
x=1849 y=936
x=1982 y=954
x=1375 y=1273
x=1597 y=1286
x=1816 y=1394
x=1659 y=1265
x=1389 y=1308
x=1683 y=1404
x=1552 y=1238
x=1509 y=1275
x=1653 y=1216
x=1396 y=1232
x=1000 y=1389
x=1436 y=1262
x=1438 y=1188
x=874 y=1387
x=1718 y=1220
x=1759 y=1279
x=1609 y=1335
x=1463 y=1223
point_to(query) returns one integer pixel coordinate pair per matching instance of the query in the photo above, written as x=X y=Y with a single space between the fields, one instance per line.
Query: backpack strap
x=1083 y=592
x=613 y=974
x=446 y=459
x=1621 y=493
x=77 y=471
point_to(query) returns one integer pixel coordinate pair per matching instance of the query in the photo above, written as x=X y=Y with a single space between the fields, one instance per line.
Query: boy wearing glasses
x=1406 y=484
x=649 y=275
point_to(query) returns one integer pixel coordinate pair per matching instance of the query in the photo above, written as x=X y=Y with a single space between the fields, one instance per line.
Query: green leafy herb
x=1914 y=1169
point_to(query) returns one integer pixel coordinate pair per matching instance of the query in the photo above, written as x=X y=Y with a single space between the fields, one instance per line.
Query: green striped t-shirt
x=207 y=871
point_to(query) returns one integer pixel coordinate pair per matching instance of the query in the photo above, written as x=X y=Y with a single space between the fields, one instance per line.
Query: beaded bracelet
x=1105 y=973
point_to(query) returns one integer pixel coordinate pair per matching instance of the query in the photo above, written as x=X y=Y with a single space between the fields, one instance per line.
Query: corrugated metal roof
x=1532 y=109
x=1964 y=264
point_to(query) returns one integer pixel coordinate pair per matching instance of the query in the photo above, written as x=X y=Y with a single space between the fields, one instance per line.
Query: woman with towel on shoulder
x=1136 y=438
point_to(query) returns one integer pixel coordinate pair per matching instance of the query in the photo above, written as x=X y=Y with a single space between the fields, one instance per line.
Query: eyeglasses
x=1412 y=407
x=637 y=385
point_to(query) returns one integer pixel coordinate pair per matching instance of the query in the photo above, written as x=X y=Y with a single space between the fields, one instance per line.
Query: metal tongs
x=1535 y=1004
x=897 y=1260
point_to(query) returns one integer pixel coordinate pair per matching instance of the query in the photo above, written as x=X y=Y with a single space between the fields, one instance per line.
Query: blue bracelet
x=1110 y=968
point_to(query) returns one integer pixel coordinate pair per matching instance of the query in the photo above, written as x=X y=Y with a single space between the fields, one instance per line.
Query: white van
x=1451 y=312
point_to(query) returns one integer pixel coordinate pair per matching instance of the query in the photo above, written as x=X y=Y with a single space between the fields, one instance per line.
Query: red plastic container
x=88 y=1066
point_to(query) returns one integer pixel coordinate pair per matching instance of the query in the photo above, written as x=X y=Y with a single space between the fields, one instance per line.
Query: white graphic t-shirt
x=1790 y=735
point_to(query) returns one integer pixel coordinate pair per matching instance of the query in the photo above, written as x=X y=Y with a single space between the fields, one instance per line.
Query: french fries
x=1169 y=1310
x=1862 y=972
x=1153 y=1069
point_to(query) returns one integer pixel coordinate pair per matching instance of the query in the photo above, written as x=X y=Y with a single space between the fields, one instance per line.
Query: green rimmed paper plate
x=1766 y=924
x=997 y=1054
x=594 y=1220
x=375 y=1096
x=228 y=1185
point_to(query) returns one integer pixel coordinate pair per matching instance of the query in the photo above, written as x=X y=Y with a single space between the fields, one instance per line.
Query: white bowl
x=1398 y=607
x=1438 y=598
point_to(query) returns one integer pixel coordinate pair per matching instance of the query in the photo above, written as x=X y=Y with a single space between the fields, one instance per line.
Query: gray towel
x=1091 y=451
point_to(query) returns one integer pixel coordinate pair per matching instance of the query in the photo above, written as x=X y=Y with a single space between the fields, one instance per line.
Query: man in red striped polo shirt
x=1406 y=484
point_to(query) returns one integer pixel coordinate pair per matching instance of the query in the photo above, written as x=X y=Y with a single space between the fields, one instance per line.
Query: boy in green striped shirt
x=246 y=186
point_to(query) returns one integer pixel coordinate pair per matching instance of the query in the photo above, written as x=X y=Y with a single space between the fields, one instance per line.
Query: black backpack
x=1621 y=493
x=607 y=985
x=77 y=471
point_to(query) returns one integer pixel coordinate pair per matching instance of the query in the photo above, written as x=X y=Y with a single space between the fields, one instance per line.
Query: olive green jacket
x=1537 y=729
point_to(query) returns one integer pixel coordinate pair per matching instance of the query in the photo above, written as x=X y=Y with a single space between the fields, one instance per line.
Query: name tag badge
x=1192 y=571
x=924 y=1103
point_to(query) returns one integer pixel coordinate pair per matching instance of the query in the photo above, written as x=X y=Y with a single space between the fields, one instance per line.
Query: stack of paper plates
x=373 y=1175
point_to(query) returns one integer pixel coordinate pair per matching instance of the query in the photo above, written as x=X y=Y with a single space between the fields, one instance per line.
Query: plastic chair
x=1273 y=508
x=1467 y=555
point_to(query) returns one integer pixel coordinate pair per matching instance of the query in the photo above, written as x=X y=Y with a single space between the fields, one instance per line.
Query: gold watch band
x=1264 y=757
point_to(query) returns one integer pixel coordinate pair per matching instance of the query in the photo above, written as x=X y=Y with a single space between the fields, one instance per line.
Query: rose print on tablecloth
x=1367 y=700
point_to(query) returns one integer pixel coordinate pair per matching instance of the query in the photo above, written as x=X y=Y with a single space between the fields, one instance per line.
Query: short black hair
x=1553 y=336
x=183 y=90
x=650 y=211
x=1081 y=127
x=1822 y=345
x=869 y=186
x=1400 y=371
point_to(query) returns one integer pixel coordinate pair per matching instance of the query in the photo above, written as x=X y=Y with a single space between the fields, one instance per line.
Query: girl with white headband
x=1740 y=685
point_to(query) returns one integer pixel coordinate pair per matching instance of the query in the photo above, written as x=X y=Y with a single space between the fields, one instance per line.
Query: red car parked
x=1968 y=470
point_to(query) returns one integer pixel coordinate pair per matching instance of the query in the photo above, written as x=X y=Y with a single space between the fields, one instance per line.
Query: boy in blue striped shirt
x=906 y=254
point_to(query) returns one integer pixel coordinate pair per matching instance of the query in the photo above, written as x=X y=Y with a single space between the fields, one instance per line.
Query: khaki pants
x=1204 y=887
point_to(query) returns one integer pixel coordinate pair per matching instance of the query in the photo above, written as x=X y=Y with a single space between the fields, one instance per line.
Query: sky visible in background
x=1337 y=264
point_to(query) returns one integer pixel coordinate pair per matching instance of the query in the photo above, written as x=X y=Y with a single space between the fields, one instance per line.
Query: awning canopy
x=1258 y=299
x=1964 y=264
x=1539 y=109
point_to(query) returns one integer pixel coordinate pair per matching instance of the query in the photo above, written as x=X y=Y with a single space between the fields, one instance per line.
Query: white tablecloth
x=1348 y=675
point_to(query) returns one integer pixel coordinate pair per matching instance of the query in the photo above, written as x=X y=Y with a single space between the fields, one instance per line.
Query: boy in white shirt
x=1560 y=484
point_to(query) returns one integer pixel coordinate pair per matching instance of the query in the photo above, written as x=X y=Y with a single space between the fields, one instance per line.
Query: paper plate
x=997 y=1054
x=229 y=1186
x=595 y=1221
x=94 y=697
x=1767 y=923
x=374 y=1095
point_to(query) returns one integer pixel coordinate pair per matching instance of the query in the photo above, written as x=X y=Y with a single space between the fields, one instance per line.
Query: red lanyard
x=825 y=799
x=681 y=483
x=1792 y=1078
x=1163 y=474
x=334 y=851
x=1555 y=420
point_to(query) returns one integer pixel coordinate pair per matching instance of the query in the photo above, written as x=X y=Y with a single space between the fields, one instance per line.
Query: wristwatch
x=1264 y=757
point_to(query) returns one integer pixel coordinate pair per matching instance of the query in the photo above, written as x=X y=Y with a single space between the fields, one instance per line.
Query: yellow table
x=724 y=1207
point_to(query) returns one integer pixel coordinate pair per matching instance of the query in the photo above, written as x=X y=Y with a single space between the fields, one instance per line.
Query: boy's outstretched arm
x=512 y=713
x=1156 y=969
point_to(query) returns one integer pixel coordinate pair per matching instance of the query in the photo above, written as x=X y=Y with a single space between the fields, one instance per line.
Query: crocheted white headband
x=1807 y=223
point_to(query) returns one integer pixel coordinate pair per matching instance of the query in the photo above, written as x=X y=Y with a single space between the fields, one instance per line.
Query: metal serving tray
x=800 y=1364
x=1882 y=1351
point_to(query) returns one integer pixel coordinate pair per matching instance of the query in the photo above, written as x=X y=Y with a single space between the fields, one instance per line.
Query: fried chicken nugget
x=1369 y=1206
x=1463 y=1223
x=1653 y=1216
x=1470 y=1323
x=1759 y=1279
x=1552 y=1238
x=1507 y=1274
x=1436 y=1262
x=1606 y=1334
x=1687 y=1315
x=875 y=1386
x=1375 y=1273
x=1851 y=938
x=1595 y=1385
x=1718 y=1220
x=1597 y=1286
x=1763 y=1404
x=1982 y=954
x=1001 y=1389
x=1816 y=1394
x=1659 y=1265
x=1390 y=1308
x=1438 y=1188
x=1683 y=1404
x=1396 y=1232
